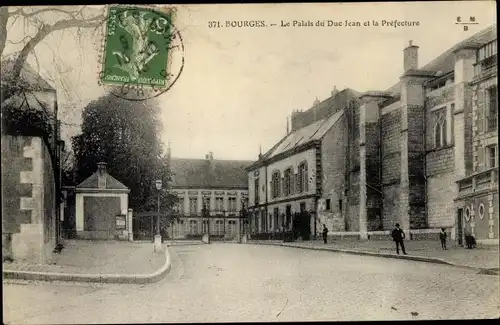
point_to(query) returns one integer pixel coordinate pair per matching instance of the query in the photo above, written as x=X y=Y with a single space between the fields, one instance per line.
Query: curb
x=99 y=278
x=433 y=260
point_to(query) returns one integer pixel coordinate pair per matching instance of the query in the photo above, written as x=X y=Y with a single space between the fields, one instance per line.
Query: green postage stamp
x=137 y=47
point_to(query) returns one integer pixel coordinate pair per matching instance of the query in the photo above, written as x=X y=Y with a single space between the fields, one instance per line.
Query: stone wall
x=391 y=152
x=391 y=207
x=391 y=167
x=441 y=188
x=29 y=199
x=333 y=166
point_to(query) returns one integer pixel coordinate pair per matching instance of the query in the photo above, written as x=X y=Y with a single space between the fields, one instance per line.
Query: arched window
x=440 y=133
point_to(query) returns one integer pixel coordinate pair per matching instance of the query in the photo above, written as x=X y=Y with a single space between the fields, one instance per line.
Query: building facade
x=30 y=168
x=477 y=202
x=422 y=153
x=101 y=207
x=218 y=187
x=308 y=166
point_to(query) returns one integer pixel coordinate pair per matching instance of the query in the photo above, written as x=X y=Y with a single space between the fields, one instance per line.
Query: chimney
x=410 y=57
x=334 y=91
x=101 y=168
x=316 y=102
x=287 y=127
x=211 y=155
x=101 y=175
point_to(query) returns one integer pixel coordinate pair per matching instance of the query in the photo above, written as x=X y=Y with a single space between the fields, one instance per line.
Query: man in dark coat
x=325 y=234
x=398 y=236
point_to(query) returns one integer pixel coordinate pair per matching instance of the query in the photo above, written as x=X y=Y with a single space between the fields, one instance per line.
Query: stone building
x=477 y=202
x=422 y=153
x=219 y=185
x=101 y=207
x=309 y=166
x=30 y=167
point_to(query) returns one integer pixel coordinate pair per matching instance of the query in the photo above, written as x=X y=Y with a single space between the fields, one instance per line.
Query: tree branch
x=21 y=12
x=45 y=30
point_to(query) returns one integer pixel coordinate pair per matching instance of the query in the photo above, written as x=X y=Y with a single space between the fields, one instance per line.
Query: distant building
x=219 y=185
x=423 y=153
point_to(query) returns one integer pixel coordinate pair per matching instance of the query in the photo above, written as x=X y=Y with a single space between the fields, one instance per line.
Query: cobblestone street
x=232 y=282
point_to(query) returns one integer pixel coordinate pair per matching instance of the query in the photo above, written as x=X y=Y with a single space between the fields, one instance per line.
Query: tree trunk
x=4 y=17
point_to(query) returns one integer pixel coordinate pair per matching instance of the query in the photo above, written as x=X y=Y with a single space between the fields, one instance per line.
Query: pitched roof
x=32 y=100
x=111 y=182
x=311 y=132
x=205 y=173
x=446 y=61
x=29 y=78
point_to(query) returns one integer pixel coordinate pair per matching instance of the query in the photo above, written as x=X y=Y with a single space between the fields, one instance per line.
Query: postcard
x=249 y=162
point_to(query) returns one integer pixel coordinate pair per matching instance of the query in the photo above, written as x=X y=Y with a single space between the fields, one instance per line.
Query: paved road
x=232 y=282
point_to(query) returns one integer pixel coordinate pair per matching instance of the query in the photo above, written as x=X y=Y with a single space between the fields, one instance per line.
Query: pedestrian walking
x=470 y=241
x=398 y=236
x=325 y=234
x=442 y=237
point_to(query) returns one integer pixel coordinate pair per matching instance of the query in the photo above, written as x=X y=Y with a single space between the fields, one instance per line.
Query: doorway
x=288 y=216
x=460 y=229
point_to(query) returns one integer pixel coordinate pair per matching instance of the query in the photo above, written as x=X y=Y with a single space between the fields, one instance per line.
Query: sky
x=239 y=85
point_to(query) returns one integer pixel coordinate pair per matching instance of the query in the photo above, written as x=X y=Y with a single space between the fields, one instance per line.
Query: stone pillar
x=369 y=154
x=465 y=57
x=186 y=202
x=412 y=184
x=130 y=225
x=29 y=243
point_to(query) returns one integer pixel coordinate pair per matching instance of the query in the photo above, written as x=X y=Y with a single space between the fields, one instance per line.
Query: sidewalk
x=481 y=258
x=97 y=261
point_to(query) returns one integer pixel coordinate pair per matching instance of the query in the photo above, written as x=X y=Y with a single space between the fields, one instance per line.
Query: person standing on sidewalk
x=398 y=236
x=325 y=234
x=442 y=237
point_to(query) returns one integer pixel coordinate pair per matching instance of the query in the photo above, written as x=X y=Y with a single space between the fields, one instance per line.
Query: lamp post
x=158 y=184
x=157 y=239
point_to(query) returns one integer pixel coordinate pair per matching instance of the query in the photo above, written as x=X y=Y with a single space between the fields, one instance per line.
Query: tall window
x=302 y=178
x=492 y=110
x=256 y=189
x=492 y=156
x=487 y=51
x=193 y=227
x=232 y=204
x=440 y=133
x=193 y=205
x=180 y=206
x=275 y=184
x=219 y=204
x=287 y=184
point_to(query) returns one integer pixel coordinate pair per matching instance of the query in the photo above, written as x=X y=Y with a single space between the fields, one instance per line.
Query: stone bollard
x=158 y=246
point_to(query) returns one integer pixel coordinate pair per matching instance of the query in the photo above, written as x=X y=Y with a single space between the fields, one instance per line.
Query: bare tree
x=72 y=17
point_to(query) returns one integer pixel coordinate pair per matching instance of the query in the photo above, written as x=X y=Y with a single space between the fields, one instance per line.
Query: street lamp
x=158 y=184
